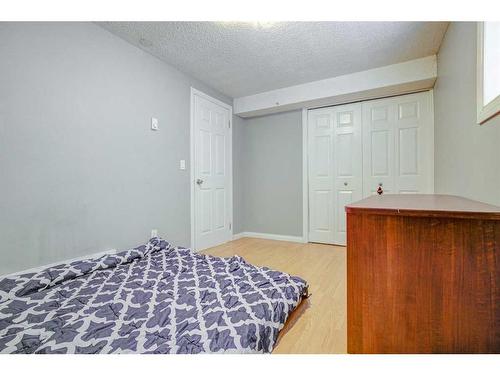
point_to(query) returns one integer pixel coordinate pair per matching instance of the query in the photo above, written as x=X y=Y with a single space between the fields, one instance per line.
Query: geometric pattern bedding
x=155 y=298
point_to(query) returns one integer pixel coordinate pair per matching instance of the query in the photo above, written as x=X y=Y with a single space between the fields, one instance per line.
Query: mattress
x=155 y=298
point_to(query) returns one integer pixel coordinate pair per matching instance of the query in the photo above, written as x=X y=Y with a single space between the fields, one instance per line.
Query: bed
x=155 y=298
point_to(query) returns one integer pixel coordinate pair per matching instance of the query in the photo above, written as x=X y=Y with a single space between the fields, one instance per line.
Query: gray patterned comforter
x=155 y=298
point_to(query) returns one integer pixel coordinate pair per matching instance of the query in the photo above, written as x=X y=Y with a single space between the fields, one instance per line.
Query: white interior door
x=335 y=170
x=212 y=175
x=320 y=170
x=354 y=148
x=398 y=145
x=348 y=166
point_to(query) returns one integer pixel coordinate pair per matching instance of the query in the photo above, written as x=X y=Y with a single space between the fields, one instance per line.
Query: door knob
x=345 y=183
x=199 y=181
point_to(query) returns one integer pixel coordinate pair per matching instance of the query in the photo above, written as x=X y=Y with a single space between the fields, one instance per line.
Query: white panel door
x=378 y=146
x=320 y=170
x=212 y=175
x=347 y=161
x=335 y=170
x=398 y=145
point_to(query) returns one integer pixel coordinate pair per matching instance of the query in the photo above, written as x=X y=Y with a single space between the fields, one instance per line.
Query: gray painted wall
x=268 y=154
x=80 y=170
x=467 y=155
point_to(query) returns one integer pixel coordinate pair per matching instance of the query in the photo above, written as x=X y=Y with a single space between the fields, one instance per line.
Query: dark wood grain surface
x=422 y=284
x=426 y=205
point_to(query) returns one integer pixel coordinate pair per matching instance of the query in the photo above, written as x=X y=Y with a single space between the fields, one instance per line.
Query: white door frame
x=305 y=160
x=192 y=142
x=305 y=177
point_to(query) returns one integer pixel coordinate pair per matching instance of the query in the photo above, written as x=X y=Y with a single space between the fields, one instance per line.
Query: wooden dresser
x=423 y=275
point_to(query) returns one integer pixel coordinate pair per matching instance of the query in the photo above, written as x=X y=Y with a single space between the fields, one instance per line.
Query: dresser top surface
x=424 y=205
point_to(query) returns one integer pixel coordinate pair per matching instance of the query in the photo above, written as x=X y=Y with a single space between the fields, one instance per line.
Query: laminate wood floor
x=318 y=325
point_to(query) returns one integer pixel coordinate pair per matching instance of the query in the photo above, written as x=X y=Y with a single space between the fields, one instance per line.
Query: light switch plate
x=154 y=233
x=154 y=123
x=182 y=165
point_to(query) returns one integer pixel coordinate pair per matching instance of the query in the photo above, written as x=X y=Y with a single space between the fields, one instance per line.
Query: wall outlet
x=154 y=123
x=154 y=233
x=182 y=165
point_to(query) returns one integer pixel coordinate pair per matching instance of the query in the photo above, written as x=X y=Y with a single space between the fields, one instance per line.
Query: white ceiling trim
x=410 y=76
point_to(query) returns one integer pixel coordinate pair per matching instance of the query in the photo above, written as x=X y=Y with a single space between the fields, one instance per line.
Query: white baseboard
x=269 y=236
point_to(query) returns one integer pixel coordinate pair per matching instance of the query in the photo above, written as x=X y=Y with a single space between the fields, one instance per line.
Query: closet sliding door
x=398 y=145
x=355 y=148
x=335 y=169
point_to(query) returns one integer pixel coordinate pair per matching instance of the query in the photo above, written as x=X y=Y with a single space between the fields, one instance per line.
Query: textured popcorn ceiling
x=242 y=58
